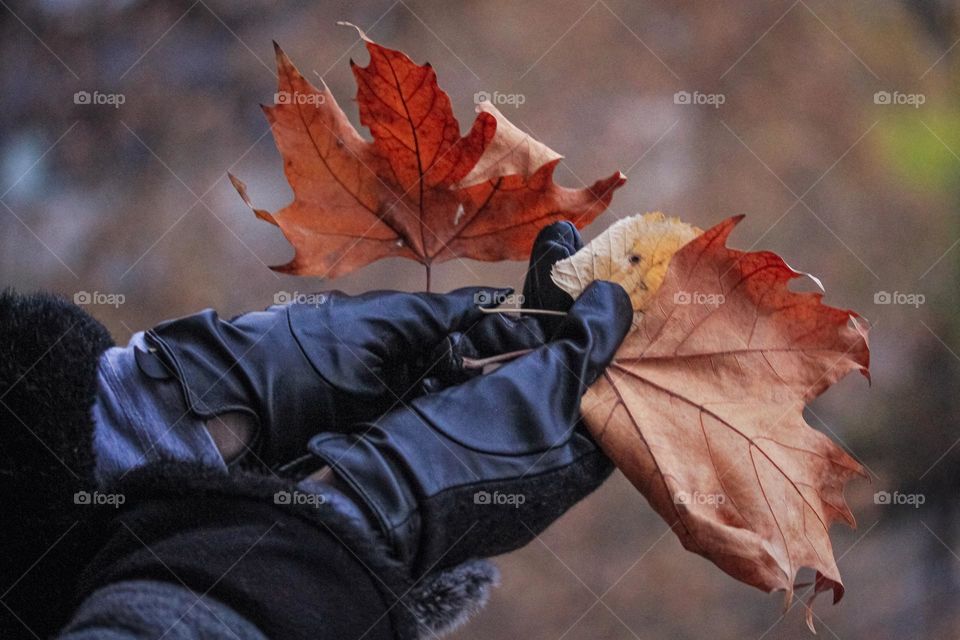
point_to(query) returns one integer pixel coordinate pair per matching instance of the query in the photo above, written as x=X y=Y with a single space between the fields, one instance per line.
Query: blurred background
x=834 y=126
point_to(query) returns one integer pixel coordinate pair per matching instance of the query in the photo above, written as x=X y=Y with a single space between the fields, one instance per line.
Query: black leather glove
x=337 y=360
x=480 y=468
x=327 y=363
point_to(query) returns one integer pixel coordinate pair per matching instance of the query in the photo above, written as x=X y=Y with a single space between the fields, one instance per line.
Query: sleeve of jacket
x=295 y=564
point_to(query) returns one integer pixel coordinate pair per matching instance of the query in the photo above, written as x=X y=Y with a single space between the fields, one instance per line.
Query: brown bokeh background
x=134 y=200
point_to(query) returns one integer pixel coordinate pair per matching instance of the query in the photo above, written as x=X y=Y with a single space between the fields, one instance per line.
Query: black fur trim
x=49 y=350
x=444 y=601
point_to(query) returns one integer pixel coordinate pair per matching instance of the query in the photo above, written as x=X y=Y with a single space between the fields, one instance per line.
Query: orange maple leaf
x=702 y=409
x=419 y=190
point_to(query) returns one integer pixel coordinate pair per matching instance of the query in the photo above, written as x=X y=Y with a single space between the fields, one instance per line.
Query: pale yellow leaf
x=634 y=252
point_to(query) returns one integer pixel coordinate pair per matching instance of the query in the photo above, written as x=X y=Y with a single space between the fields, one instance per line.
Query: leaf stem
x=480 y=363
x=427 y=267
x=537 y=312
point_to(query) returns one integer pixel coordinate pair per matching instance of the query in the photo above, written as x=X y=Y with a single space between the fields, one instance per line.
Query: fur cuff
x=49 y=351
x=446 y=600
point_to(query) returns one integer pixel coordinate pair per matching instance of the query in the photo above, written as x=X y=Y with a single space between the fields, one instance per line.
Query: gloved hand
x=480 y=468
x=328 y=363
x=336 y=360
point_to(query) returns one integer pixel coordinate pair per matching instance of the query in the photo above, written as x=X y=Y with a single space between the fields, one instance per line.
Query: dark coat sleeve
x=294 y=564
x=283 y=573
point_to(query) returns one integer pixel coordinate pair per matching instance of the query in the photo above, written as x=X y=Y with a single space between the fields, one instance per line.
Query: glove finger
x=412 y=323
x=446 y=365
x=533 y=403
x=407 y=327
x=502 y=333
x=555 y=242
x=460 y=309
x=372 y=342
x=595 y=327
x=453 y=361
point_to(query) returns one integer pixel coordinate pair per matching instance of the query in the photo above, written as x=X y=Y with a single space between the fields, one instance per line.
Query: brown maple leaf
x=419 y=190
x=702 y=408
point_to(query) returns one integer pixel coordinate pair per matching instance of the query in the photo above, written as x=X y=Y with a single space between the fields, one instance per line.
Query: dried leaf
x=702 y=411
x=419 y=190
x=511 y=152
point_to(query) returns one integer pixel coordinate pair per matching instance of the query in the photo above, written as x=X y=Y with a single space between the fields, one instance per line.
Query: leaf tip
x=603 y=189
x=290 y=268
x=619 y=179
x=360 y=32
x=719 y=233
x=266 y=217
x=239 y=185
x=281 y=57
x=241 y=188
x=809 y=619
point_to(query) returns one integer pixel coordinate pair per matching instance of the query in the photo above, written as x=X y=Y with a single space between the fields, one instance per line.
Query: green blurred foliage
x=920 y=150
